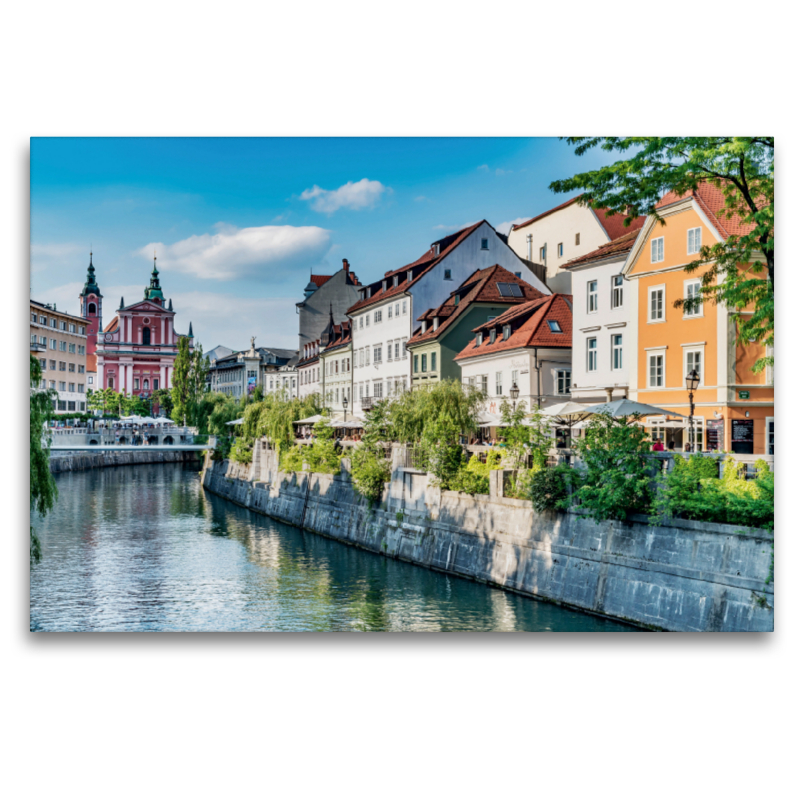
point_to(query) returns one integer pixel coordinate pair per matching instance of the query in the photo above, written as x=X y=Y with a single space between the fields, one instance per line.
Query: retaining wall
x=81 y=459
x=687 y=576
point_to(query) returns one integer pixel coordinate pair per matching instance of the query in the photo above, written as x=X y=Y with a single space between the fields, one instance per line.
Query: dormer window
x=396 y=280
x=435 y=323
x=506 y=331
x=409 y=275
x=383 y=286
x=424 y=325
x=479 y=339
x=492 y=335
x=435 y=249
x=456 y=298
x=369 y=291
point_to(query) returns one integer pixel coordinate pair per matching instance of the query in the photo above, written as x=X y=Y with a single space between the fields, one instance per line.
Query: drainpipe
x=538 y=378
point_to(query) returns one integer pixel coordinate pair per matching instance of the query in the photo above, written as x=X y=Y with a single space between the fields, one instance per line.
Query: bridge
x=121 y=448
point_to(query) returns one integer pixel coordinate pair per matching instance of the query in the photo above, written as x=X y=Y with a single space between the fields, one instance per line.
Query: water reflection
x=145 y=548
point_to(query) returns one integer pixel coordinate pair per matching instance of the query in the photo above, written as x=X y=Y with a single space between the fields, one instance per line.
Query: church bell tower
x=92 y=309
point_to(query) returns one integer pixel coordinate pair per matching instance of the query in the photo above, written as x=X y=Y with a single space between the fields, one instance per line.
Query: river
x=145 y=548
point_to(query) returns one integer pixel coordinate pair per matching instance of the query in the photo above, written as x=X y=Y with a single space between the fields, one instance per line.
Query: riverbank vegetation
x=43 y=490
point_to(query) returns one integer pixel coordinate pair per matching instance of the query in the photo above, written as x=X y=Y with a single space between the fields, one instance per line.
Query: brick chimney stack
x=346 y=266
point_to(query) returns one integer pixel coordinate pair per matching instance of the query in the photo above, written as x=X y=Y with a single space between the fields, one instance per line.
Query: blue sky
x=239 y=224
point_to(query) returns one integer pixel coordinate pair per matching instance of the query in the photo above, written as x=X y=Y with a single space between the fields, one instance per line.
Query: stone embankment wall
x=81 y=459
x=687 y=576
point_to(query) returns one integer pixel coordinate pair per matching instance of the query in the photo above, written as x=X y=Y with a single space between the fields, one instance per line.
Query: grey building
x=239 y=373
x=326 y=294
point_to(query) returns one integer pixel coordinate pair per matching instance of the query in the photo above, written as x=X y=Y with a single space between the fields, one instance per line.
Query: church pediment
x=146 y=307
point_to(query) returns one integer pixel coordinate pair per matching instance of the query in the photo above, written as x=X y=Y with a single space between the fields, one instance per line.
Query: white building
x=564 y=233
x=283 y=379
x=529 y=345
x=336 y=367
x=308 y=370
x=601 y=335
x=383 y=318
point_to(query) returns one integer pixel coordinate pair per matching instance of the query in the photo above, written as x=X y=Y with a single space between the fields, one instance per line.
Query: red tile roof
x=613 y=225
x=711 y=200
x=529 y=327
x=111 y=325
x=320 y=279
x=342 y=336
x=619 y=247
x=420 y=267
x=480 y=287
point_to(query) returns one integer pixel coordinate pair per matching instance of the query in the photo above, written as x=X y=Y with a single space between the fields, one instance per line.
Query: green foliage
x=164 y=399
x=182 y=383
x=550 y=488
x=370 y=470
x=241 y=451
x=43 y=490
x=292 y=460
x=322 y=455
x=743 y=168
x=525 y=435
x=223 y=448
x=617 y=477
x=473 y=478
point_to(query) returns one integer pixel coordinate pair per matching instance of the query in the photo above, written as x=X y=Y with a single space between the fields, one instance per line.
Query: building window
x=563 y=381
x=377 y=389
x=506 y=331
x=33 y=317
x=694 y=360
x=424 y=362
x=542 y=253
x=616 y=291
x=63 y=326
x=71 y=367
x=53 y=345
x=135 y=384
x=390 y=311
x=591 y=355
x=367 y=319
x=81 y=350
x=484 y=244
x=53 y=323
x=655 y=371
x=616 y=351
x=577 y=238
x=416 y=363
x=397 y=350
x=655 y=308
x=62 y=366
x=479 y=339
x=82 y=330
x=92 y=308
x=403 y=347
x=377 y=354
x=43 y=363
x=404 y=307
x=378 y=316
x=554 y=326
x=72 y=387
x=693 y=295
x=91 y=380
x=433 y=362
x=62 y=386
x=514 y=378
x=492 y=335
x=155 y=384
x=361 y=322
x=72 y=328
x=52 y=364
x=693 y=241
x=448 y=275
x=71 y=348
x=591 y=296
x=146 y=384
x=498 y=383
x=62 y=346
x=560 y=249
x=657 y=250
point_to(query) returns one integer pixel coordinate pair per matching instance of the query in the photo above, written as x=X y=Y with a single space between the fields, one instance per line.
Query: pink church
x=136 y=351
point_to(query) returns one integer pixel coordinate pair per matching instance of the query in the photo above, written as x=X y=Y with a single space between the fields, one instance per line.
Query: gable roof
x=621 y=247
x=529 y=327
x=318 y=280
x=711 y=200
x=480 y=287
x=419 y=267
x=613 y=225
x=342 y=336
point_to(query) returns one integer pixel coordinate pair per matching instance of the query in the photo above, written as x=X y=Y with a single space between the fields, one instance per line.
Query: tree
x=164 y=399
x=181 y=382
x=43 y=486
x=743 y=168
x=522 y=438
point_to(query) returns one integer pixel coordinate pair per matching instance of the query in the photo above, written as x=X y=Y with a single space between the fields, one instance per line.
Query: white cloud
x=56 y=254
x=66 y=297
x=421 y=199
x=505 y=227
x=363 y=194
x=499 y=171
x=483 y=168
x=266 y=253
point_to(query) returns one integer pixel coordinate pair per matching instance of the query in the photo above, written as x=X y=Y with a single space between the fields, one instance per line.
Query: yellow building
x=733 y=405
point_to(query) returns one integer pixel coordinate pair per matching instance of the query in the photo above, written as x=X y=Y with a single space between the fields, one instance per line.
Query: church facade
x=135 y=353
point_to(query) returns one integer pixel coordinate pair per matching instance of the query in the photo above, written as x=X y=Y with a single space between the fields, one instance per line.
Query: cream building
x=58 y=340
x=564 y=233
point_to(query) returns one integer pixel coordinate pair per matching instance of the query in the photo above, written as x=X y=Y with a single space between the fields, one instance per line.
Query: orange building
x=734 y=407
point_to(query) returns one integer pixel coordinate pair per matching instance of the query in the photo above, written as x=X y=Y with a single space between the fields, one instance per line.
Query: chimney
x=346 y=266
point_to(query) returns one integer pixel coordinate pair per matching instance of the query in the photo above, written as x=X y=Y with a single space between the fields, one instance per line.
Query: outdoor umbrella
x=627 y=408
x=567 y=414
x=308 y=420
x=235 y=422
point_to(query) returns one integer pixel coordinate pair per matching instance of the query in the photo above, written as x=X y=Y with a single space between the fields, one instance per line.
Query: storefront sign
x=744 y=395
x=715 y=435
x=742 y=435
x=251 y=385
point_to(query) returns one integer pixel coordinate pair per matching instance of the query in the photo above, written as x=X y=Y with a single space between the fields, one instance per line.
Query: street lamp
x=514 y=392
x=344 y=405
x=692 y=382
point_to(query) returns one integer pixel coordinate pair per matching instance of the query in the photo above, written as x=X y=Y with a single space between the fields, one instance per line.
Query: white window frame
x=697 y=235
x=695 y=348
x=563 y=381
x=592 y=297
x=591 y=354
x=662 y=354
x=617 y=290
x=657 y=250
x=614 y=349
x=686 y=284
x=650 y=292
x=767 y=421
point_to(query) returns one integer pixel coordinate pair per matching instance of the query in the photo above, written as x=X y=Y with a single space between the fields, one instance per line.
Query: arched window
x=146 y=336
x=92 y=308
x=110 y=383
x=146 y=384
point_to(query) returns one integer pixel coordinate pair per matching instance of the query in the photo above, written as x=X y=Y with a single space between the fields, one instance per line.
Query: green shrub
x=370 y=470
x=550 y=489
x=291 y=460
x=222 y=450
x=241 y=451
x=473 y=477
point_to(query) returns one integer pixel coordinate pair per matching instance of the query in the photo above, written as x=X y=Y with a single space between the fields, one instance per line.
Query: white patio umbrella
x=567 y=414
x=308 y=420
x=627 y=408
x=235 y=422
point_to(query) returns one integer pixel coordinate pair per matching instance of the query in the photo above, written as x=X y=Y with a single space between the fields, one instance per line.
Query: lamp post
x=692 y=382
x=514 y=392
x=344 y=406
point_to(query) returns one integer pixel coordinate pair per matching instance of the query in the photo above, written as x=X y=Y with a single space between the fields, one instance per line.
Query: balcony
x=38 y=348
x=366 y=403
